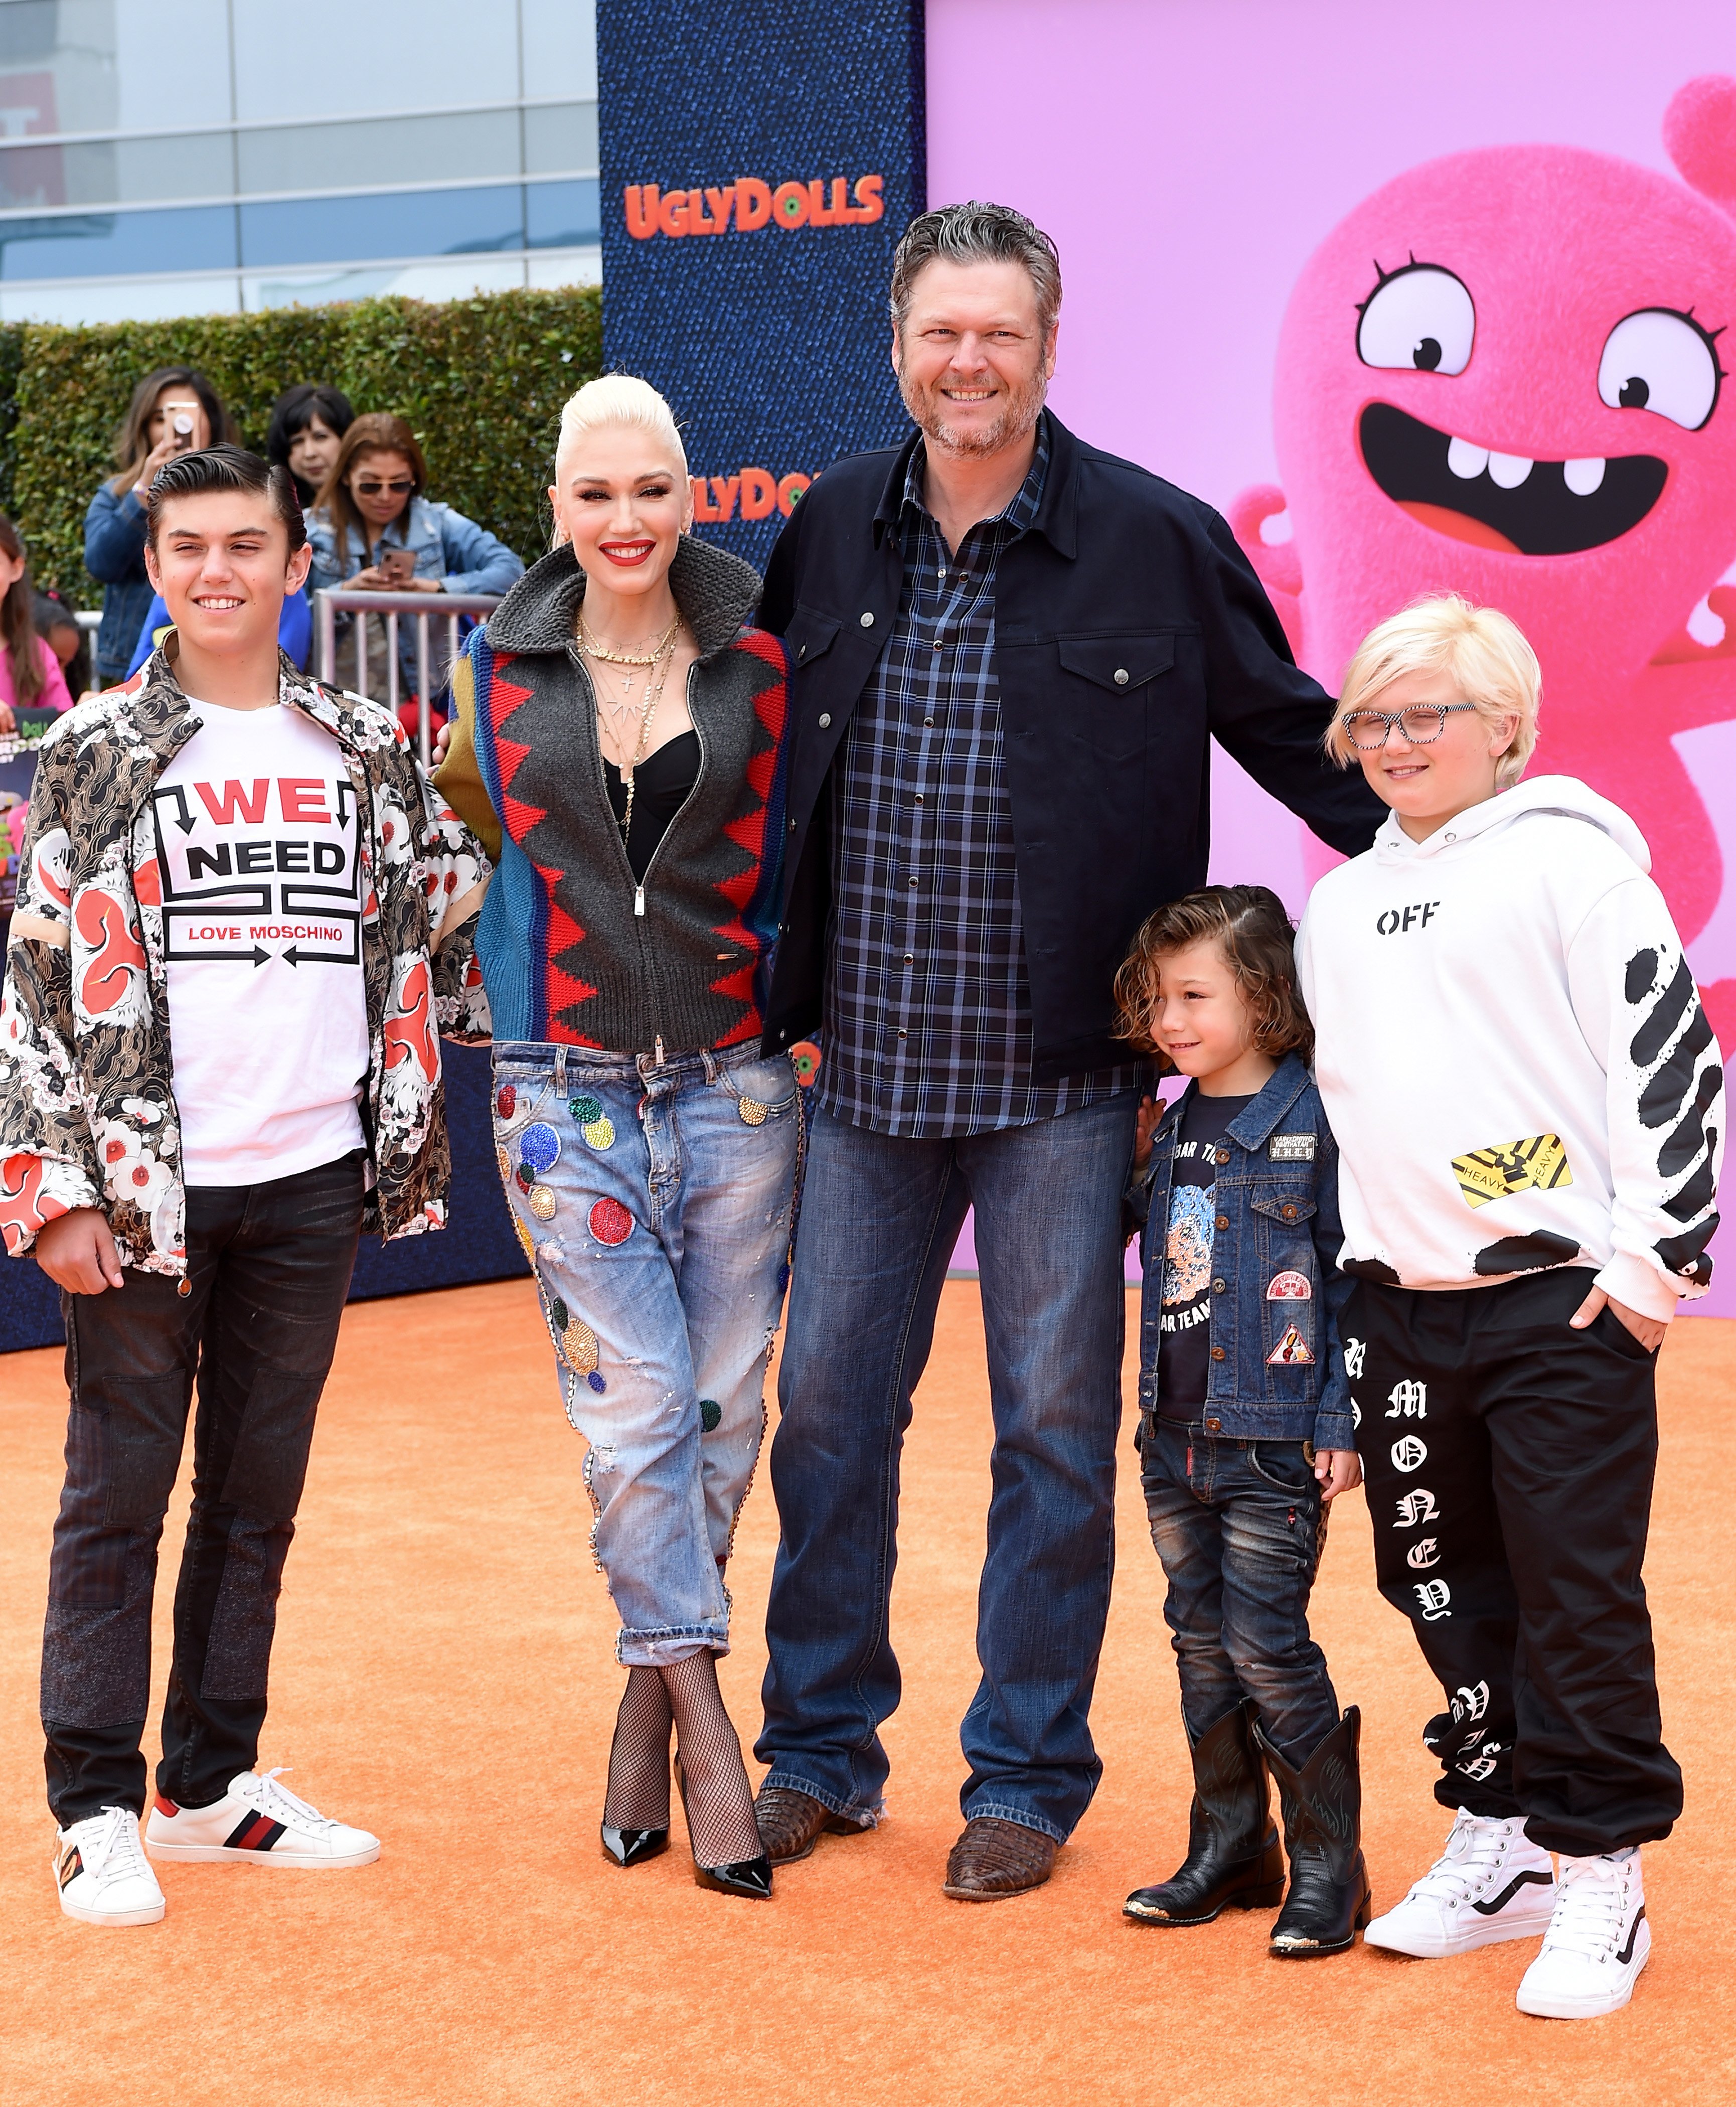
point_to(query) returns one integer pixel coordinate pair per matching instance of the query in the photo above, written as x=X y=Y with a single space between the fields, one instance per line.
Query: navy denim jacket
x=1277 y=1228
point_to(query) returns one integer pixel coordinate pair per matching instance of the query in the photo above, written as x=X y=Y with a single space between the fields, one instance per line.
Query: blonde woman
x=618 y=743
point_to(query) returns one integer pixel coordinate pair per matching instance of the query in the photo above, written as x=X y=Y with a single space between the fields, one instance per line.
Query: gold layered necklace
x=636 y=712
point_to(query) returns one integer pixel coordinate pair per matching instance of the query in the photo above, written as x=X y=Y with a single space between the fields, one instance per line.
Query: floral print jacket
x=87 y=1113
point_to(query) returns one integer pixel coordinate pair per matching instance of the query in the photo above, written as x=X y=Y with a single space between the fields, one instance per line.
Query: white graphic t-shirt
x=256 y=843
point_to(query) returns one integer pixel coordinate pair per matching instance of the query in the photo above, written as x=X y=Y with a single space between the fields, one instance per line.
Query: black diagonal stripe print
x=1697 y=1192
x=1684 y=1253
x=1686 y=1140
x=1627 y=1954
x=1662 y=1097
x=1669 y=1010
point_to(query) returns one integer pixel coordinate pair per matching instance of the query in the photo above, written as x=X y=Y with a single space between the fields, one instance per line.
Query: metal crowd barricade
x=331 y=601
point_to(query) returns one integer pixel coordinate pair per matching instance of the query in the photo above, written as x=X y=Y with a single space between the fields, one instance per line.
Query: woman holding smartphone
x=373 y=530
x=173 y=410
x=618 y=743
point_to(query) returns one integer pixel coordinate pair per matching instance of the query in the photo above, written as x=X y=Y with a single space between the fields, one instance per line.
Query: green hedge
x=481 y=381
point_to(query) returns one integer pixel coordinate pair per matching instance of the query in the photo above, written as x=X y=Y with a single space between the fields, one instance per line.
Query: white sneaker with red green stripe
x=101 y=1873
x=260 y=1820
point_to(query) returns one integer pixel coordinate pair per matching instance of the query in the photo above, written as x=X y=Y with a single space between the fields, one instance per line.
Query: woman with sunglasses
x=373 y=530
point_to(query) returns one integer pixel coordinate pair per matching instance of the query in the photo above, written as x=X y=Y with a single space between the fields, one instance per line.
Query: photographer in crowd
x=173 y=410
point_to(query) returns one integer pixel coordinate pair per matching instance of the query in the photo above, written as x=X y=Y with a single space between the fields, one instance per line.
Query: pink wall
x=1188 y=156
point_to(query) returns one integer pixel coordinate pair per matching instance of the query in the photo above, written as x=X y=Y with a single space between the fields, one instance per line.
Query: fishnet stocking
x=637 y=1796
x=719 y=1799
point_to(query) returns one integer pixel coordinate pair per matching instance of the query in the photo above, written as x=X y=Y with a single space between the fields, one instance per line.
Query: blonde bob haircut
x=616 y=400
x=1484 y=653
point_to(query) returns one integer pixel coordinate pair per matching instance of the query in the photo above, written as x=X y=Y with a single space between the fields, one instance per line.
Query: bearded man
x=1009 y=653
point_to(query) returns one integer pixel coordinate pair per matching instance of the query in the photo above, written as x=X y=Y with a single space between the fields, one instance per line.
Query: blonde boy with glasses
x=1529 y=1102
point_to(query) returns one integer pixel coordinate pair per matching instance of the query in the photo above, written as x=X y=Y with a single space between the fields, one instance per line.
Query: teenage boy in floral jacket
x=244 y=917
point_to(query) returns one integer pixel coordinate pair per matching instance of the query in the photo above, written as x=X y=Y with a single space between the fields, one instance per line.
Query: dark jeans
x=879 y=1219
x=268 y=1267
x=1509 y=1462
x=1240 y=1528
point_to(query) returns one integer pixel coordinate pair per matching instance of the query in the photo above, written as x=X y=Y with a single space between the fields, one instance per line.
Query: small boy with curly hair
x=1244 y=1429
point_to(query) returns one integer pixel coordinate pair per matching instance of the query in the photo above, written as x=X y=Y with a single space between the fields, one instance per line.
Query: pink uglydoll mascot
x=1500 y=376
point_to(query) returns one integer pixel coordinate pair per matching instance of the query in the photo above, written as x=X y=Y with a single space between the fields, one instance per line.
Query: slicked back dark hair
x=1252 y=931
x=224 y=468
x=977 y=233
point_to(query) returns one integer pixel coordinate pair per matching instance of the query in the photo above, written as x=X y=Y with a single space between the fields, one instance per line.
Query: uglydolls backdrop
x=1420 y=300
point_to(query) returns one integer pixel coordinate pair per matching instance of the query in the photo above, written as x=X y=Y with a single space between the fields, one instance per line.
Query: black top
x=663 y=782
x=1183 y=1361
x=1131 y=632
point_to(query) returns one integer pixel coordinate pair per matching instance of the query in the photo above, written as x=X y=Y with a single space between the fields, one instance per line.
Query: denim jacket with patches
x=1277 y=1360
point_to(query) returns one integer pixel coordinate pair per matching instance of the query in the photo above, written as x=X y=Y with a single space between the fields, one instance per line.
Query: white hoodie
x=1513 y=1054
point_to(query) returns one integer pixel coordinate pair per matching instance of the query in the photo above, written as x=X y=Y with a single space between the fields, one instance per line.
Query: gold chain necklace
x=618 y=654
x=615 y=715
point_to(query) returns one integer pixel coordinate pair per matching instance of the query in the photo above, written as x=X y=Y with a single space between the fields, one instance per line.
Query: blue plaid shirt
x=927 y=1001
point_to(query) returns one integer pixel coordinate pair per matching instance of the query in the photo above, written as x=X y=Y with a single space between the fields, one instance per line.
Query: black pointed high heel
x=752 y=1877
x=633 y=1847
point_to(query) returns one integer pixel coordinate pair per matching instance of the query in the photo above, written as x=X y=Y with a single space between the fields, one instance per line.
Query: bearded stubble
x=927 y=407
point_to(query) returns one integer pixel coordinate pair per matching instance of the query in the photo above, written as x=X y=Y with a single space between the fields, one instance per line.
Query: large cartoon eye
x=1420 y=316
x=1659 y=360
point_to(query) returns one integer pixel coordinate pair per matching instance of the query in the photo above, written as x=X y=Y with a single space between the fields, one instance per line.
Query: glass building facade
x=170 y=157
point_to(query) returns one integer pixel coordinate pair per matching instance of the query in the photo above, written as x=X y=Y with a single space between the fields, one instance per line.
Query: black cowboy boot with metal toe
x=1329 y=1901
x=1233 y=1860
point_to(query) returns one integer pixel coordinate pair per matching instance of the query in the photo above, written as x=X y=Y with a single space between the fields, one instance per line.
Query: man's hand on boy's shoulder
x=76 y=1252
x=1648 y=1331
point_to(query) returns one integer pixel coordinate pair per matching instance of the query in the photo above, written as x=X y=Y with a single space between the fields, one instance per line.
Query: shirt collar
x=1016 y=515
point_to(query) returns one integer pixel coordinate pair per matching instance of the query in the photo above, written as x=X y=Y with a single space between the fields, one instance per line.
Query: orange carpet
x=444 y=1676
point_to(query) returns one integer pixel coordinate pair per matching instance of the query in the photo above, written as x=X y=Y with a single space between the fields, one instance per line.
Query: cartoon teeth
x=1508 y=471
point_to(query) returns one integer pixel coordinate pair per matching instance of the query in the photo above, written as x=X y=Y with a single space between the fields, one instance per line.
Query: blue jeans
x=1239 y=1526
x=653 y=1203
x=879 y=1221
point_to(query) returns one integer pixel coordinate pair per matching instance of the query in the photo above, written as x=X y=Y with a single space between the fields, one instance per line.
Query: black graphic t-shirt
x=1183 y=1354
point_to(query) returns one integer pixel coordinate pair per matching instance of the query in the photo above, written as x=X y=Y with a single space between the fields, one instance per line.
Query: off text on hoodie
x=1513 y=1053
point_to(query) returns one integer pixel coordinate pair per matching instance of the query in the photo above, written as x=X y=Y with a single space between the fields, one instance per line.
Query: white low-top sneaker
x=1491 y=1883
x=102 y=1875
x=1597 y=1943
x=259 y=1819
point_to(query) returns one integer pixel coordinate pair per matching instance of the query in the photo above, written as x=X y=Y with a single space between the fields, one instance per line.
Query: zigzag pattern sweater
x=571 y=950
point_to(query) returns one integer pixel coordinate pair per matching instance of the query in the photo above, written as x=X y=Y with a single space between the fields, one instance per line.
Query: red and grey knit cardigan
x=571 y=949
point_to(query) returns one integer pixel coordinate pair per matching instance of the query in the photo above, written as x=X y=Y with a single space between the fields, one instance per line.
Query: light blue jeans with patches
x=653 y=1201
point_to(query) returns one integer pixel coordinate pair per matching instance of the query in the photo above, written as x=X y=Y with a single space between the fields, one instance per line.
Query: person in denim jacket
x=1246 y=1427
x=373 y=528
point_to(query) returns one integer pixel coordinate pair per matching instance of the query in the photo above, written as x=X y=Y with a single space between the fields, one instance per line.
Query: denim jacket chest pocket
x=1279 y=1315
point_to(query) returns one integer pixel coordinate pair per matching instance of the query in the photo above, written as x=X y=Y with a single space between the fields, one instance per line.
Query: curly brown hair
x=1252 y=933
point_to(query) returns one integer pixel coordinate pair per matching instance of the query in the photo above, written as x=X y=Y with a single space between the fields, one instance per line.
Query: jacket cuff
x=1334 y=1430
x=35 y=1190
x=1641 y=1286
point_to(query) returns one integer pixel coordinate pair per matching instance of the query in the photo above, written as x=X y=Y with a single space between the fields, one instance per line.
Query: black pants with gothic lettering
x=1508 y=1461
x=268 y=1268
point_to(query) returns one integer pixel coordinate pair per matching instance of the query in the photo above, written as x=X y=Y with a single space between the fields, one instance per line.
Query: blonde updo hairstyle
x=614 y=400
x=1483 y=652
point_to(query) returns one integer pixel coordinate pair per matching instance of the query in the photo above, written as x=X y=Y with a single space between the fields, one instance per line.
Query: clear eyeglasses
x=1422 y=724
